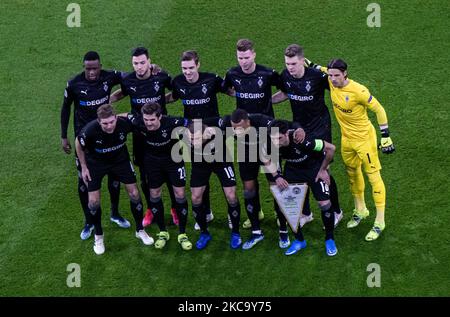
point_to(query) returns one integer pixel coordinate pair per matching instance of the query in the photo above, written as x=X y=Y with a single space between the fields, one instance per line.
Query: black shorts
x=162 y=169
x=138 y=149
x=294 y=174
x=201 y=172
x=122 y=171
x=250 y=170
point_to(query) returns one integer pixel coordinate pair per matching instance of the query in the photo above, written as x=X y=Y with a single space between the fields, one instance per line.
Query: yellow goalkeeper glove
x=308 y=63
x=386 y=144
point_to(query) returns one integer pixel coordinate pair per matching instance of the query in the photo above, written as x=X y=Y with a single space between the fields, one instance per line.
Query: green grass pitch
x=404 y=63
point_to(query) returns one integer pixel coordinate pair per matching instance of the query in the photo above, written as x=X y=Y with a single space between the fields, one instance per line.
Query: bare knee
x=133 y=193
x=231 y=197
x=155 y=193
x=179 y=193
x=196 y=197
x=94 y=204
x=324 y=204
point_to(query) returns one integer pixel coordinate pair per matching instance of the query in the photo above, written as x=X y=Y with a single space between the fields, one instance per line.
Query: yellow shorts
x=365 y=152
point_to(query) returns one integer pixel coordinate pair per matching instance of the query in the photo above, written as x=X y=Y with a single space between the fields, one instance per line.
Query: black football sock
x=200 y=217
x=95 y=212
x=157 y=208
x=299 y=234
x=328 y=220
x=207 y=200
x=136 y=210
x=144 y=186
x=252 y=208
x=306 y=206
x=84 y=198
x=182 y=212
x=172 y=195
x=234 y=211
x=257 y=198
x=280 y=215
x=114 y=194
x=334 y=195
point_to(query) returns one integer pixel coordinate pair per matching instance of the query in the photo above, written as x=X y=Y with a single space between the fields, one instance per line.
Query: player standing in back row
x=145 y=85
x=88 y=91
x=305 y=88
x=252 y=84
x=198 y=93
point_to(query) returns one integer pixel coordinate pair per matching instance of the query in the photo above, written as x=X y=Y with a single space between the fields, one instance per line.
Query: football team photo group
x=224 y=149
x=305 y=144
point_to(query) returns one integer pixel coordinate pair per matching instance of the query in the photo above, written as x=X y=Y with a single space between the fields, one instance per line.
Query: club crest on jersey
x=308 y=85
x=204 y=89
x=121 y=136
x=347 y=98
x=164 y=133
x=156 y=86
x=260 y=82
x=105 y=86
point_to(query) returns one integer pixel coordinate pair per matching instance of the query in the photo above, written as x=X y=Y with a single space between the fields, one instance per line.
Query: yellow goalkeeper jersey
x=350 y=104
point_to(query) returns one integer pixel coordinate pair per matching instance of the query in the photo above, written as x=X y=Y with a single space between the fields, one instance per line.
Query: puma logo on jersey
x=183 y=91
x=84 y=92
x=133 y=88
x=238 y=81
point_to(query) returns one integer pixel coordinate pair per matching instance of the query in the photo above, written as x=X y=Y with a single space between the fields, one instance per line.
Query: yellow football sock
x=379 y=194
x=357 y=185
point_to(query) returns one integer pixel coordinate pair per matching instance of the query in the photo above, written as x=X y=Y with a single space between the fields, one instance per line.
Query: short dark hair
x=238 y=115
x=105 y=111
x=91 y=56
x=337 y=63
x=190 y=56
x=151 y=108
x=294 y=50
x=138 y=51
x=244 y=45
x=282 y=125
x=193 y=124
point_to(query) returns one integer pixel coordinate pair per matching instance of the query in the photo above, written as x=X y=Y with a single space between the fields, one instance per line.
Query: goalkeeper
x=359 y=141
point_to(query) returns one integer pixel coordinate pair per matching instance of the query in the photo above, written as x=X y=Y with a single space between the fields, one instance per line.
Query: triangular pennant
x=291 y=202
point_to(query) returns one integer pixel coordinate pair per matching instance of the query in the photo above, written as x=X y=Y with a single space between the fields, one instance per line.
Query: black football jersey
x=199 y=99
x=260 y=141
x=306 y=96
x=214 y=148
x=306 y=154
x=158 y=143
x=142 y=91
x=105 y=147
x=253 y=91
x=87 y=97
